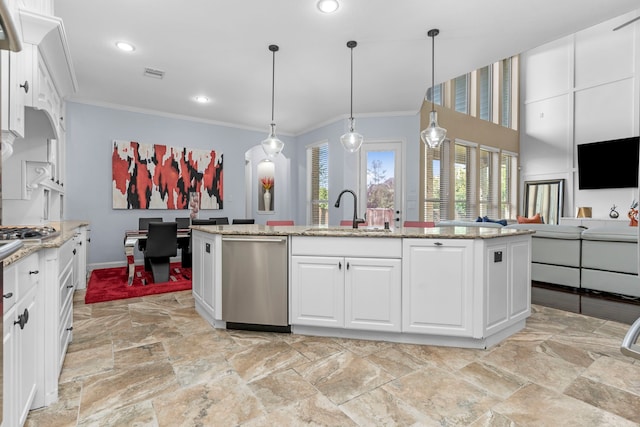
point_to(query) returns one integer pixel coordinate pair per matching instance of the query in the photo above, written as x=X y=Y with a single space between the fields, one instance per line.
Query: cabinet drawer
x=28 y=273
x=66 y=284
x=10 y=280
x=65 y=254
x=365 y=247
x=66 y=334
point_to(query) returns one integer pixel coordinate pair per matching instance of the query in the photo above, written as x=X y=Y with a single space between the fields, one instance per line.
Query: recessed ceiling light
x=127 y=47
x=328 y=6
x=201 y=99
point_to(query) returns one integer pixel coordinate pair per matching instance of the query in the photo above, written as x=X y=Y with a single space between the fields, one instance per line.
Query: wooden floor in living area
x=153 y=361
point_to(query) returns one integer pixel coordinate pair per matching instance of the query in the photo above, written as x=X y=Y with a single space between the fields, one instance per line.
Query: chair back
x=203 y=222
x=221 y=220
x=420 y=224
x=162 y=239
x=183 y=222
x=274 y=223
x=143 y=223
x=349 y=223
x=244 y=221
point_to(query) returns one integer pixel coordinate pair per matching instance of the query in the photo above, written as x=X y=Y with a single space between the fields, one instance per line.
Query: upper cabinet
x=44 y=7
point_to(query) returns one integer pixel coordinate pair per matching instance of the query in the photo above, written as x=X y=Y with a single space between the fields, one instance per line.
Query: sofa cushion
x=612 y=234
x=552 y=231
x=536 y=219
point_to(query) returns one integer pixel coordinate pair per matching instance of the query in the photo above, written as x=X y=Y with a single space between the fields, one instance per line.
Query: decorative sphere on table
x=614 y=213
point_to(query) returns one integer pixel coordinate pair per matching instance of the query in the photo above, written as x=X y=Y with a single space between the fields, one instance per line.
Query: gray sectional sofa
x=601 y=259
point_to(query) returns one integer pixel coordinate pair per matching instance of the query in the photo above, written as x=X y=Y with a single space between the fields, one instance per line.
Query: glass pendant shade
x=433 y=135
x=351 y=140
x=272 y=146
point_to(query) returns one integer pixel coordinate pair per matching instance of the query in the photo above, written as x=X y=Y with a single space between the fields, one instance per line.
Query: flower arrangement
x=267 y=182
x=633 y=214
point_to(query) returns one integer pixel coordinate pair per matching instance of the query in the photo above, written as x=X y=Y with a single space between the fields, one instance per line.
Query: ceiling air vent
x=153 y=72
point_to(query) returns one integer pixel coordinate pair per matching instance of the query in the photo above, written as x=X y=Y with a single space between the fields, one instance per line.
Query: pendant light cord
x=273 y=48
x=433 y=33
x=351 y=44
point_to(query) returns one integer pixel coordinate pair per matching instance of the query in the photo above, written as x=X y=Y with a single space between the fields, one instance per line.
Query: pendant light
x=272 y=146
x=351 y=140
x=433 y=135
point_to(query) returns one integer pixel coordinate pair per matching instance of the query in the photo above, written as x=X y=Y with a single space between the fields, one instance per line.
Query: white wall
x=579 y=89
x=91 y=130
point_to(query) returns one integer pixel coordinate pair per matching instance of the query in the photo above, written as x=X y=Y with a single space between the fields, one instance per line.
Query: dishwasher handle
x=247 y=239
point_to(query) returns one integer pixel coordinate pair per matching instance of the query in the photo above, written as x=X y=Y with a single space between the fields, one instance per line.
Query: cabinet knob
x=25 y=86
x=339 y=266
x=70 y=328
x=34 y=272
x=69 y=286
x=8 y=295
x=437 y=243
x=74 y=251
x=347 y=266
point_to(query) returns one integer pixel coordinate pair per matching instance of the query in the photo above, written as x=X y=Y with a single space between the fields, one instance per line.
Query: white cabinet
x=22 y=340
x=60 y=283
x=437 y=293
x=206 y=256
x=353 y=292
x=15 y=85
x=80 y=258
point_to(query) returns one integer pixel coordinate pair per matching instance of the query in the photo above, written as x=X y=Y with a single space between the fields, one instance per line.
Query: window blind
x=488 y=188
x=436 y=183
x=506 y=93
x=508 y=185
x=485 y=87
x=464 y=181
x=318 y=157
x=461 y=91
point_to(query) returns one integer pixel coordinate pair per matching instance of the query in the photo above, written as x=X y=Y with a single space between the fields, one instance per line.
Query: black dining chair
x=184 y=242
x=143 y=224
x=221 y=220
x=244 y=221
x=203 y=222
x=162 y=244
x=183 y=222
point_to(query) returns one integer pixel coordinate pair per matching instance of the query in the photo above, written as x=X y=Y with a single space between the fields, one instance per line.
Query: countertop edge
x=67 y=230
x=404 y=232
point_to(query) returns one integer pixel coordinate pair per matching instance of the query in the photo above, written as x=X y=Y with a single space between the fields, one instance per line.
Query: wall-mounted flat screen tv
x=609 y=164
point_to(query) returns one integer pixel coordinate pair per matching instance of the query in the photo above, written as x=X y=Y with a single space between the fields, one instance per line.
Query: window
x=461 y=91
x=318 y=184
x=484 y=95
x=488 y=188
x=464 y=182
x=437 y=94
x=436 y=183
x=508 y=185
x=505 y=105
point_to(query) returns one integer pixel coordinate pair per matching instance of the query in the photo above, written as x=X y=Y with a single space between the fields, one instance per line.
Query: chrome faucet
x=356 y=220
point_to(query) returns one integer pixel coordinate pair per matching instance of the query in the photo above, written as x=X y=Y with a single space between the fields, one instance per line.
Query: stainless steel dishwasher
x=255 y=283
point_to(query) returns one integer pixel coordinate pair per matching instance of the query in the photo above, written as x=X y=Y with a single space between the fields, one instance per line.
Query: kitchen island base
x=445 y=286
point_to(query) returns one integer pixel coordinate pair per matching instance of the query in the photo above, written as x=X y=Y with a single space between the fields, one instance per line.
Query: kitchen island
x=452 y=286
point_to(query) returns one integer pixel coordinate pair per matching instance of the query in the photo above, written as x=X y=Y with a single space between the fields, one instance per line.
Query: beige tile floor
x=153 y=361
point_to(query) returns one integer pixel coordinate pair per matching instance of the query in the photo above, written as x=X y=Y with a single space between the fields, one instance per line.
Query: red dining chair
x=420 y=224
x=274 y=223
x=348 y=222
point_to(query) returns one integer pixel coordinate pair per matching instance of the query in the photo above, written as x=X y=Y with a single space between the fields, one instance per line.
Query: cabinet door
x=26 y=353
x=14 y=85
x=437 y=294
x=10 y=394
x=373 y=292
x=317 y=291
x=203 y=252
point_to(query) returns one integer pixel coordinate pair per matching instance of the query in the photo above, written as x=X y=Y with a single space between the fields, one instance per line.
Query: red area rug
x=108 y=284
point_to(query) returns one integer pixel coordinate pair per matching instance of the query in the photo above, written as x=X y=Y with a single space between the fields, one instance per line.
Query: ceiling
x=219 y=48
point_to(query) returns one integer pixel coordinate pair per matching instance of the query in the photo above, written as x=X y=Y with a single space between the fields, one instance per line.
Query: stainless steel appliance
x=28 y=234
x=9 y=40
x=255 y=283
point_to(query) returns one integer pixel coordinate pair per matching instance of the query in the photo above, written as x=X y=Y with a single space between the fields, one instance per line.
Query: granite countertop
x=67 y=230
x=402 y=232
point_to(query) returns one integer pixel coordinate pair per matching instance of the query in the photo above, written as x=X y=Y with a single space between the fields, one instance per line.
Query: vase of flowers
x=267 y=184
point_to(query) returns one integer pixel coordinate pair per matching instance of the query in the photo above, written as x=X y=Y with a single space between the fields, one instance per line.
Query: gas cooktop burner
x=37 y=233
